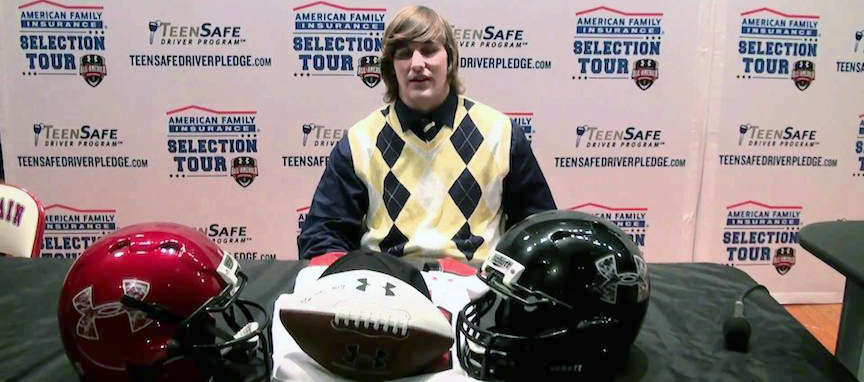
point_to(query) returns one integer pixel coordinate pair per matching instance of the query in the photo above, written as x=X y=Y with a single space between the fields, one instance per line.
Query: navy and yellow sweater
x=442 y=185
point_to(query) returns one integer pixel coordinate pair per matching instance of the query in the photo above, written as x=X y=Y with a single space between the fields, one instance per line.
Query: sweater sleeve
x=335 y=218
x=525 y=189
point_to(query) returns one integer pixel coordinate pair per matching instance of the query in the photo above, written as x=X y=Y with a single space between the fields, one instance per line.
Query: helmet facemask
x=201 y=338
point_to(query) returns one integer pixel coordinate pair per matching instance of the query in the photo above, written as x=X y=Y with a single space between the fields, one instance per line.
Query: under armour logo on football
x=354 y=357
x=83 y=304
x=388 y=288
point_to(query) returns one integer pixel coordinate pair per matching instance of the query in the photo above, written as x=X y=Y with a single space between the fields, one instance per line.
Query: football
x=367 y=325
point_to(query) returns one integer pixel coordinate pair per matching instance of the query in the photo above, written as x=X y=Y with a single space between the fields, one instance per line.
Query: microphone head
x=736 y=333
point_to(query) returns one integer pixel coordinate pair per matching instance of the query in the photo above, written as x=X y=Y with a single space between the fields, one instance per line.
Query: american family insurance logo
x=525 y=120
x=775 y=45
x=207 y=143
x=69 y=230
x=615 y=44
x=759 y=234
x=632 y=220
x=61 y=40
x=336 y=40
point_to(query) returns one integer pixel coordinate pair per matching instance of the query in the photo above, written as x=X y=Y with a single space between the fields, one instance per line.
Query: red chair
x=22 y=222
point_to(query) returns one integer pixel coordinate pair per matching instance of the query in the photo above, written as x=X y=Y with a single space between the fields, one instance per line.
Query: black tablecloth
x=681 y=339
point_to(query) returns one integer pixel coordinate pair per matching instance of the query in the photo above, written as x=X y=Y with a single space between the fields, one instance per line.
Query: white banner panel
x=780 y=142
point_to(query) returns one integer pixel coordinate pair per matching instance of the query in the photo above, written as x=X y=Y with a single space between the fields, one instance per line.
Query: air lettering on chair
x=11 y=211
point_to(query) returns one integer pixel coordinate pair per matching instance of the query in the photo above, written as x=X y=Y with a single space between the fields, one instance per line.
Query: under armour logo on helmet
x=608 y=268
x=83 y=304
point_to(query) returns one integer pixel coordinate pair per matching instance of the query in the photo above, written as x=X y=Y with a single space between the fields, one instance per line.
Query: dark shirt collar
x=415 y=121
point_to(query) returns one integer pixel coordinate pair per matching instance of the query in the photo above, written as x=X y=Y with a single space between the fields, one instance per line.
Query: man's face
x=421 y=71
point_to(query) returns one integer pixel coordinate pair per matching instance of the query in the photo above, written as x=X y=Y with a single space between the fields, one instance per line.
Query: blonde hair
x=418 y=23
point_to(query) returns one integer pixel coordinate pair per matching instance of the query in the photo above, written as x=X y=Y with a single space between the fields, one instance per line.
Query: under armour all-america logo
x=608 y=288
x=83 y=304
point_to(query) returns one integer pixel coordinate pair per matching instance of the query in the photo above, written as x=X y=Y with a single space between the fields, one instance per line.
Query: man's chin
x=419 y=100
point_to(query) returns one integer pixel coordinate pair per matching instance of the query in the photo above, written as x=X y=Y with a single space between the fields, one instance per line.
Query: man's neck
x=443 y=115
x=426 y=108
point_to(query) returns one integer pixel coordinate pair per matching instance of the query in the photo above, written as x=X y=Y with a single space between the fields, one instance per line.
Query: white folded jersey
x=449 y=292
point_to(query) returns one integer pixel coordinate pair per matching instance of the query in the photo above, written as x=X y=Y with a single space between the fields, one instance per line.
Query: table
x=681 y=339
x=840 y=244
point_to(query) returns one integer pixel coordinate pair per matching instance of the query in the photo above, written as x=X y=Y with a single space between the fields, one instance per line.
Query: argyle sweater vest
x=440 y=198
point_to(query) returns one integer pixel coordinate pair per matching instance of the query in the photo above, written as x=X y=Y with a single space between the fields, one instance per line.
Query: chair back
x=22 y=222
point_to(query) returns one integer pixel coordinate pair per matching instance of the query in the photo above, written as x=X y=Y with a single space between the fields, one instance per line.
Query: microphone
x=736 y=329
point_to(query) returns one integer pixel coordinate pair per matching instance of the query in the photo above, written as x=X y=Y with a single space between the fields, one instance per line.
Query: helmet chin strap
x=232 y=360
x=237 y=350
x=153 y=310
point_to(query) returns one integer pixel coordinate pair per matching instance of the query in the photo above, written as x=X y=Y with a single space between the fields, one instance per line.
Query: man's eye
x=402 y=53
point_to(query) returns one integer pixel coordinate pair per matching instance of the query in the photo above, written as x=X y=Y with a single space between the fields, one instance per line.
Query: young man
x=432 y=173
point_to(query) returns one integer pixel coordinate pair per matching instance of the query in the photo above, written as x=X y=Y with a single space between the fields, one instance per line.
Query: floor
x=823 y=321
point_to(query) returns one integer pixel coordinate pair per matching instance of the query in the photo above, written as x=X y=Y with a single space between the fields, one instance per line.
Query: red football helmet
x=141 y=303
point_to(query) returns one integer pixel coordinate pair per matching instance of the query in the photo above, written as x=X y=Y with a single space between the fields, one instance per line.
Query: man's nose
x=417 y=60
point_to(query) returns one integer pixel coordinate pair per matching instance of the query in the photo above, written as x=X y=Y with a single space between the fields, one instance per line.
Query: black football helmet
x=568 y=293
